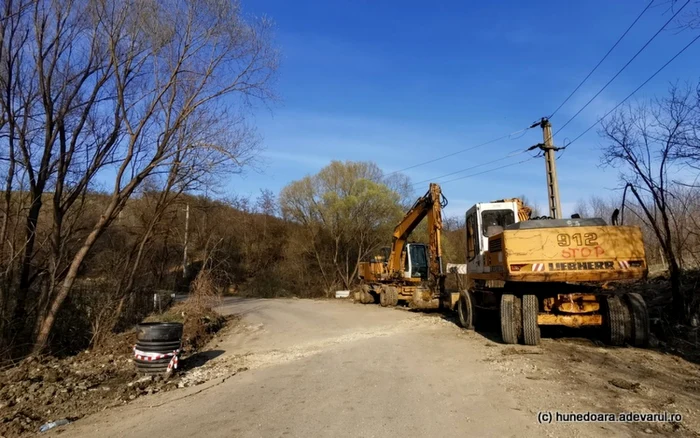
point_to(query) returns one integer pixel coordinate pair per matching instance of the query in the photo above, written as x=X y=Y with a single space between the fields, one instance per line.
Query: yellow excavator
x=542 y=272
x=410 y=273
x=532 y=272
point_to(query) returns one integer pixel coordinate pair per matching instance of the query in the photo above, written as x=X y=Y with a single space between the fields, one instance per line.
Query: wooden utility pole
x=184 y=253
x=549 y=150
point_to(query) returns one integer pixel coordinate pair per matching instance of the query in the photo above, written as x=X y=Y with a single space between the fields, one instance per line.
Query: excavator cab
x=417 y=261
x=483 y=221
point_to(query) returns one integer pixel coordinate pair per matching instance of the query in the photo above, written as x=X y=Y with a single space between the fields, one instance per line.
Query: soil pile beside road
x=39 y=390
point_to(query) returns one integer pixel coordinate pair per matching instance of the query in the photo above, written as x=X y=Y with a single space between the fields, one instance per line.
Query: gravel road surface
x=302 y=368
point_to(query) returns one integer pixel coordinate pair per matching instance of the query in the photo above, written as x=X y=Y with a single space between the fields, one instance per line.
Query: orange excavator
x=408 y=272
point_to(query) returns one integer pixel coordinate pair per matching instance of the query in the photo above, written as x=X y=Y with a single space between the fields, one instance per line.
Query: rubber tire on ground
x=157 y=350
x=159 y=331
x=164 y=344
x=152 y=363
x=383 y=298
x=511 y=320
x=531 y=330
x=392 y=296
x=465 y=310
x=639 y=315
x=160 y=368
x=615 y=321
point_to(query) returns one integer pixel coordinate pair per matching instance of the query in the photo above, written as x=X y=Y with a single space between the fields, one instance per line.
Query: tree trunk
x=24 y=276
x=680 y=304
x=69 y=280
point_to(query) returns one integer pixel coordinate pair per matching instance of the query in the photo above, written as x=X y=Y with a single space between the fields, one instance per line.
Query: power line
x=623 y=68
x=603 y=59
x=459 y=152
x=489 y=170
x=637 y=89
x=512 y=154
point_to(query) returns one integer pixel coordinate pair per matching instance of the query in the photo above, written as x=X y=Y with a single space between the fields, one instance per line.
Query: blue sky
x=402 y=82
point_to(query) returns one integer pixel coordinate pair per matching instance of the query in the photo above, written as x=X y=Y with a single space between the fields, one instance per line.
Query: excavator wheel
x=531 y=331
x=383 y=298
x=465 y=310
x=616 y=320
x=511 y=319
x=639 y=315
x=392 y=296
x=366 y=296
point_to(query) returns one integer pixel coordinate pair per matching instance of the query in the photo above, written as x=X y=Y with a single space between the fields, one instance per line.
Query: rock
x=625 y=384
x=647 y=430
x=51 y=375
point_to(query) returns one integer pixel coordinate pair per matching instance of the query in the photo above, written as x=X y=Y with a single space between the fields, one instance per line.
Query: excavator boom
x=429 y=205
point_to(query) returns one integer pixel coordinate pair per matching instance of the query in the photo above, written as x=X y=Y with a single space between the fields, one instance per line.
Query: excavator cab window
x=418 y=261
x=472 y=241
x=494 y=221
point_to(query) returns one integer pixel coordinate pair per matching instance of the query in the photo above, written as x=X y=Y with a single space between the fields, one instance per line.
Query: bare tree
x=643 y=141
x=134 y=89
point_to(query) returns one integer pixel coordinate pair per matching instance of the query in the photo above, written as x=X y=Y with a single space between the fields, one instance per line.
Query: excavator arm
x=429 y=205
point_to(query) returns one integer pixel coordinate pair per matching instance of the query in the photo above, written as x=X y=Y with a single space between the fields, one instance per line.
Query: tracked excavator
x=536 y=272
x=408 y=273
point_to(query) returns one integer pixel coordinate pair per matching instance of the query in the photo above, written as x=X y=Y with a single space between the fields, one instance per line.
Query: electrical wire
x=603 y=59
x=636 y=89
x=452 y=154
x=512 y=154
x=487 y=171
x=623 y=68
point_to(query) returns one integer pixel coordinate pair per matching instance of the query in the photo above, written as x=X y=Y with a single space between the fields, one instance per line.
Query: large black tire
x=465 y=310
x=157 y=337
x=159 y=331
x=531 y=330
x=158 y=363
x=511 y=320
x=383 y=298
x=161 y=350
x=164 y=344
x=615 y=321
x=392 y=296
x=639 y=315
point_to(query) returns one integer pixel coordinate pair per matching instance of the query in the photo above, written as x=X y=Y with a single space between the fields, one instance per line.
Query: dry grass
x=196 y=312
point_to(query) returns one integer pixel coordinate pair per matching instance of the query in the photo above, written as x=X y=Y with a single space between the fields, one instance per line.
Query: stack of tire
x=160 y=338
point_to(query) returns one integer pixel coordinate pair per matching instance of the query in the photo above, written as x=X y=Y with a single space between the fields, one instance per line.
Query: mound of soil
x=39 y=390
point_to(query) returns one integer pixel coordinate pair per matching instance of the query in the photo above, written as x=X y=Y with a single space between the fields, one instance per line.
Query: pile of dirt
x=39 y=390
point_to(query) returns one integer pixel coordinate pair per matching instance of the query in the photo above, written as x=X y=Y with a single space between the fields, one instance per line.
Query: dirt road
x=327 y=368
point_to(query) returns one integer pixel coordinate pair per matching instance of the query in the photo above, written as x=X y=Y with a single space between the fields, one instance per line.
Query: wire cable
x=637 y=89
x=512 y=154
x=487 y=171
x=623 y=68
x=603 y=59
x=452 y=154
